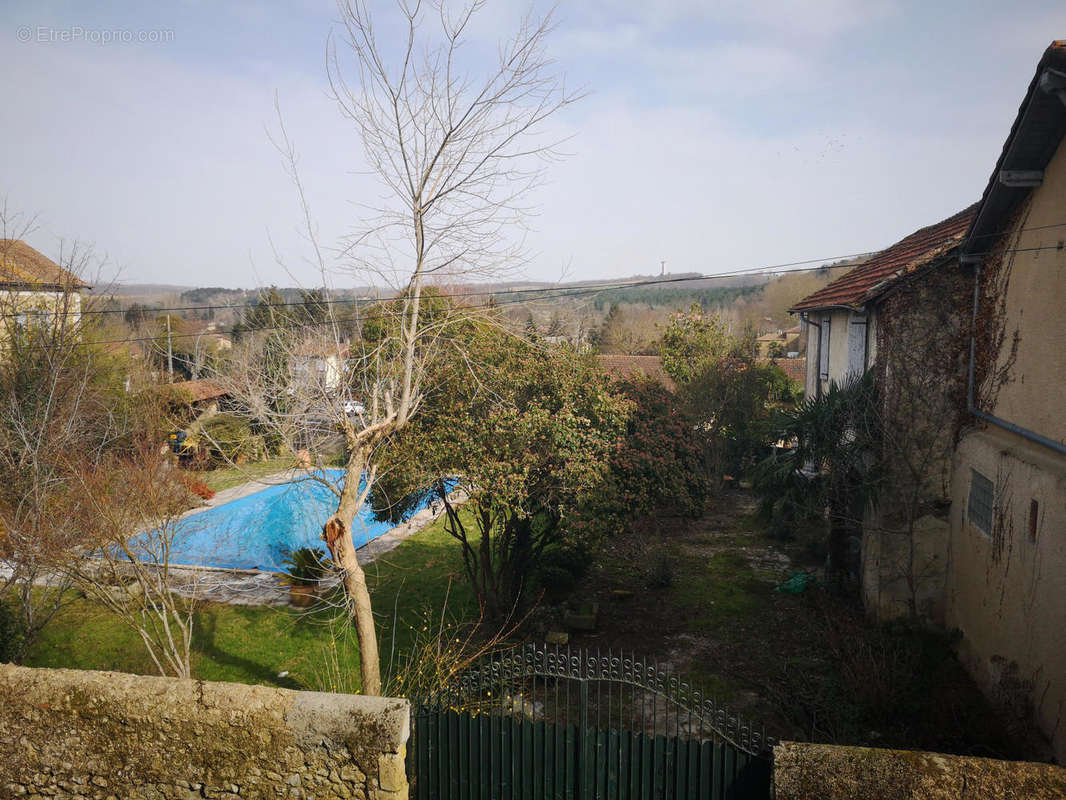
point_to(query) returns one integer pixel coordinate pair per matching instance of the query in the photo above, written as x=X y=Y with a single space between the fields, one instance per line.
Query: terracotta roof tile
x=21 y=265
x=854 y=288
x=794 y=368
x=195 y=391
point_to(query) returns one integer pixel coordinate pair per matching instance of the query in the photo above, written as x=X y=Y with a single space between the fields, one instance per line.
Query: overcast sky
x=715 y=135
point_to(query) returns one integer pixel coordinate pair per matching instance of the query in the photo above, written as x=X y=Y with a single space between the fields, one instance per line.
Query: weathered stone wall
x=107 y=735
x=828 y=772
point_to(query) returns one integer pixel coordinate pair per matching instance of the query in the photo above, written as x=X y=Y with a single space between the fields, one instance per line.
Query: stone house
x=969 y=313
x=903 y=314
x=778 y=344
x=1006 y=579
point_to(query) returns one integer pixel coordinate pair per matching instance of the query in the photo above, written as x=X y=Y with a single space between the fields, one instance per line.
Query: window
x=35 y=317
x=982 y=501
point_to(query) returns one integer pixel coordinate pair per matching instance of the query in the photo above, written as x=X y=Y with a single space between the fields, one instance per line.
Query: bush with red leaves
x=198 y=488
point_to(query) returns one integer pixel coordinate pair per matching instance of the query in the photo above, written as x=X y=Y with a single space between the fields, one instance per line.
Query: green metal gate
x=533 y=723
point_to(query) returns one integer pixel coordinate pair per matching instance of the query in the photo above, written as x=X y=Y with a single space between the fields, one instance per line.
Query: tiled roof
x=794 y=368
x=196 y=391
x=623 y=367
x=21 y=265
x=854 y=288
x=777 y=336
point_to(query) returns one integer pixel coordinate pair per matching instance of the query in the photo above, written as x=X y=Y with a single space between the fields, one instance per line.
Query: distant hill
x=139 y=289
x=579 y=305
x=768 y=308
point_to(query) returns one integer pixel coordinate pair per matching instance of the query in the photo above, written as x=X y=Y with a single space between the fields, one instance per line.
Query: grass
x=256 y=644
x=228 y=477
x=720 y=589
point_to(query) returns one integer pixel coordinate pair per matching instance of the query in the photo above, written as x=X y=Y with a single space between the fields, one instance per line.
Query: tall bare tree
x=457 y=147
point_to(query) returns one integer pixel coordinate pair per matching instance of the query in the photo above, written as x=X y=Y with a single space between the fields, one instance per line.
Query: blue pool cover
x=255 y=531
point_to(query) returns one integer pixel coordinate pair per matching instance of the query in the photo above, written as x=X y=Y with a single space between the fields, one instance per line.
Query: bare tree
x=456 y=153
x=132 y=508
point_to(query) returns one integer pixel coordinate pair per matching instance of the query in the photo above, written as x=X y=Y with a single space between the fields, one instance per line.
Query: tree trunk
x=338 y=535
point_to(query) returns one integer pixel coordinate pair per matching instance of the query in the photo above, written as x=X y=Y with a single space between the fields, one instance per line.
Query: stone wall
x=828 y=772
x=107 y=735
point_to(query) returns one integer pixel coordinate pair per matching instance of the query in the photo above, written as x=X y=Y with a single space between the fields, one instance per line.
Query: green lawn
x=254 y=645
x=228 y=477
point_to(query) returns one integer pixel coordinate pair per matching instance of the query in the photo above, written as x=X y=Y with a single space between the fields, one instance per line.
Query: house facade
x=34 y=289
x=320 y=364
x=779 y=344
x=1006 y=582
x=971 y=315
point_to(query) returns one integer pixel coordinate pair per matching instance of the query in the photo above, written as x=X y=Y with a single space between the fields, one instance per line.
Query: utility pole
x=170 y=351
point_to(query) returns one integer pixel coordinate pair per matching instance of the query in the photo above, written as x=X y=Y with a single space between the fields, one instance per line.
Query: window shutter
x=857 y=345
x=823 y=348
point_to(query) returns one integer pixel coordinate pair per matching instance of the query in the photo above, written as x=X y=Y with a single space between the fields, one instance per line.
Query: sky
x=712 y=135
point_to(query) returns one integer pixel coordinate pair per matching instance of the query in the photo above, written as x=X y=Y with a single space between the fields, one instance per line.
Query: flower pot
x=302 y=595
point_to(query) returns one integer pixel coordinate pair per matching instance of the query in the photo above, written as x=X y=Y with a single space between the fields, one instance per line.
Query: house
x=778 y=344
x=903 y=314
x=320 y=363
x=1006 y=582
x=842 y=317
x=34 y=288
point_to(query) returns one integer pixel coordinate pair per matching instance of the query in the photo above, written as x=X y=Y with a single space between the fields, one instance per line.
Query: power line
x=823 y=263
x=597 y=286
x=571 y=291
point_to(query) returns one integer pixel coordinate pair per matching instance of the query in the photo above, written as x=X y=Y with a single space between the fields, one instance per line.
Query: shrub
x=198 y=488
x=229 y=439
x=12 y=632
x=733 y=401
x=659 y=463
x=562 y=566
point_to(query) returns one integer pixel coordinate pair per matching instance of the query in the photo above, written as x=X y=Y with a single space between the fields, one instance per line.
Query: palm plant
x=305 y=566
x=832 y=470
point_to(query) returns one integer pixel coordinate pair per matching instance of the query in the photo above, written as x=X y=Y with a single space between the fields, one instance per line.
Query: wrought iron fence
x=541 y=722
x=592 y=690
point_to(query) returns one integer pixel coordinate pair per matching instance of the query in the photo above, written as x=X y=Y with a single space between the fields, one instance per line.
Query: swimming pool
x=253 y=532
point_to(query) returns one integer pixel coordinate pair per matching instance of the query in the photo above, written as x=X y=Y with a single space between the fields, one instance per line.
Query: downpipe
x=971 y=405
